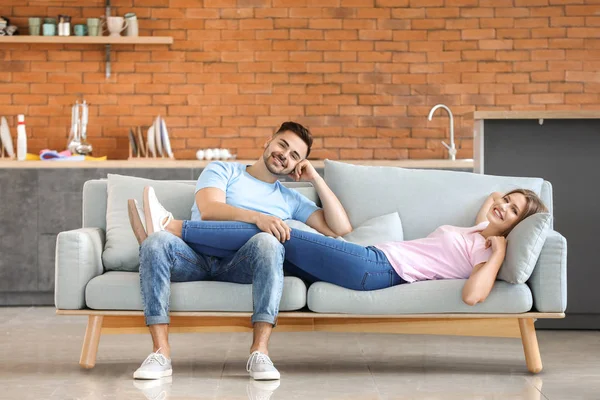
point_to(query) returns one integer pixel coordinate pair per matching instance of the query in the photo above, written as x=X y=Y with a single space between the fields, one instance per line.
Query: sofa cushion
x=385 y=228
x=439 y=296
x=424 y=199
x=118 y=290
x=121 y=252
x=525 y=244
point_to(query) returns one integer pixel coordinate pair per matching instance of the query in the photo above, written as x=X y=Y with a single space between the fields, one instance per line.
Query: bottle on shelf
x=21 y=138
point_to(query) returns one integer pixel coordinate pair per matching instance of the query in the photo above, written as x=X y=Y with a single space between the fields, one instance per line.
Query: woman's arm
x=482 y=214
x=480 y=283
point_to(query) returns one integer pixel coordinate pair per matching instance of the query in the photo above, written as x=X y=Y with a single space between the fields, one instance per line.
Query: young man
x=236 y=192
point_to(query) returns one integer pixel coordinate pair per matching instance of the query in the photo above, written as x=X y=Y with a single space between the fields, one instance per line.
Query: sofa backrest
x=424 y=199
x=95 y=200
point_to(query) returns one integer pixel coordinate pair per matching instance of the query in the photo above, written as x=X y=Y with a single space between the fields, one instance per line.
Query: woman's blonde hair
x=533 y=205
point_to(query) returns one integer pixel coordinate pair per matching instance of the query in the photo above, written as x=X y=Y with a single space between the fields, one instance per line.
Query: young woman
x=474 y=253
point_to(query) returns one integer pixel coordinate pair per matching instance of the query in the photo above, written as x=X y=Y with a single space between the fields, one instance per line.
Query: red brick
x=586 y=10
x=560 y=87
x=550 y=76
x=341 y=142
x=473 y=34
x=548 y=98
x=521 y=88
x=583 y=98
x=356 y=154
x=583 y=32
x=547 y=55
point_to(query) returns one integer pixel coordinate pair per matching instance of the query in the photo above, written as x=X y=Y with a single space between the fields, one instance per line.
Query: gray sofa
x=107 y=290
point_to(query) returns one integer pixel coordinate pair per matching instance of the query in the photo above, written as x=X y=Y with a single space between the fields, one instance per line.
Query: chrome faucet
x=452 y=147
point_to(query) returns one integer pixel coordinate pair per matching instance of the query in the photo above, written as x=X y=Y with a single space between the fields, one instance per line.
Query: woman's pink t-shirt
x=449 y=252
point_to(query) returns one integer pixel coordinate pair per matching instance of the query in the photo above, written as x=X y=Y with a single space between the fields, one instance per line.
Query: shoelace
x=155 y=357
x=258 y=358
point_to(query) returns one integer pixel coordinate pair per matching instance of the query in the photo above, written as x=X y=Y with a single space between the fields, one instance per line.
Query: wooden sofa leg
x=530 y=345
x=91 y=341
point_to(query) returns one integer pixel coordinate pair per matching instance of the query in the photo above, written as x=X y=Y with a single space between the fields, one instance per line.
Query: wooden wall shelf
x=107 y=41
x=87 y=39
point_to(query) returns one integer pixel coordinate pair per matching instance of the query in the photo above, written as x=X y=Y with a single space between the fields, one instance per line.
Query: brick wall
x=362 y=74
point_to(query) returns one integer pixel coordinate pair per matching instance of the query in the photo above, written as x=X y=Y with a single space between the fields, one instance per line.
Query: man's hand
x=304 y=171
x=274 y=226
x=498 y=244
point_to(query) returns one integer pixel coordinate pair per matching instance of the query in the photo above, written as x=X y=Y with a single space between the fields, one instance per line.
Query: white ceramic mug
x=116 y=25
x=132 y=25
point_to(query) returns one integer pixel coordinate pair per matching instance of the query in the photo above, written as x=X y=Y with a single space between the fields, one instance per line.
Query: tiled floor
x=39 y=352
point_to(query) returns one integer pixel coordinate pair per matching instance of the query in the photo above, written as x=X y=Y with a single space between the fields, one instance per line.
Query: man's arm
x=332 y=217
x=332 y=220
x=212 y=206
x=482 y=214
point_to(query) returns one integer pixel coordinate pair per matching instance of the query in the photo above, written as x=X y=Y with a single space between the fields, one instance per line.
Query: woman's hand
x=275 y=226
x=498 y=244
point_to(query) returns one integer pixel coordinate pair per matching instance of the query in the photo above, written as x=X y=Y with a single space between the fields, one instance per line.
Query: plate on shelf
x=133 y=144
x=6 y=138
x=151 y=140
x=157 y=137
x=140 y=140
x=166 y=143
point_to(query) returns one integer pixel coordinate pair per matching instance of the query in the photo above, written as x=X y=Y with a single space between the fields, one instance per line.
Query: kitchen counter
x=164 y=163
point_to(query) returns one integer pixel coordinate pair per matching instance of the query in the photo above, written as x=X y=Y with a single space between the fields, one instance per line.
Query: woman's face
x=506 y=211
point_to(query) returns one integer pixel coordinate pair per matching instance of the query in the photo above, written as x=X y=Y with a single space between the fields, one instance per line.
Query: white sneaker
x=136 y=219
x=261 y=390
x=261 y=367
x=156 y=389
x=155 y=366
x=157 y=217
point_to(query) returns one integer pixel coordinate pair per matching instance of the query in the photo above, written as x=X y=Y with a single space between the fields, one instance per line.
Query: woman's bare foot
x=175 y=226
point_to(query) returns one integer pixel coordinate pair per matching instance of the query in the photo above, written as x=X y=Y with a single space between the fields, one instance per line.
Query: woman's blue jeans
x=311 y=256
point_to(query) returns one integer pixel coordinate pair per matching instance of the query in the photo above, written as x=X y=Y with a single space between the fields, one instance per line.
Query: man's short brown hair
x=299 y=130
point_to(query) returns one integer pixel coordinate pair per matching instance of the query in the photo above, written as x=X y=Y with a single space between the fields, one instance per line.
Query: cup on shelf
x=94 y=27
x=49 y=29
x=50 y=20
x=116 y=25
x=34 y=26
x=80 y=30
x=132 y=25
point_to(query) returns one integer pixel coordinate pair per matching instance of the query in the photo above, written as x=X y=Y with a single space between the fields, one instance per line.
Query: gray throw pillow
x=121 y=252
x=524 y=246
x=384 y=228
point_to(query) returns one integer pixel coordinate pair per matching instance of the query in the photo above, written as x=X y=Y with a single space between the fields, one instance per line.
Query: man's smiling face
x=283 y=152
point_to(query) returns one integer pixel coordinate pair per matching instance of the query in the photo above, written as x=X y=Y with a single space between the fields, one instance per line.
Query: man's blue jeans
x=165 y=258
x=312 y=256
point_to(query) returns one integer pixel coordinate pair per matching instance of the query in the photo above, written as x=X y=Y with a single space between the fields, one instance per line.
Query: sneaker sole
x=147 y=213
x=145 y=384
x=265 y=376
x=136 y=222
x=152 y=375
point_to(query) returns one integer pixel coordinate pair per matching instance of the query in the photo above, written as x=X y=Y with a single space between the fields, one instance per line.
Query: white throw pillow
x=384 y=228
x=524 y=246
x=121 y=252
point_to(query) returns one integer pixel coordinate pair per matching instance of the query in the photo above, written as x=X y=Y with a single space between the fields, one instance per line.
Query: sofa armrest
x=548 y=282
x=78 y=260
